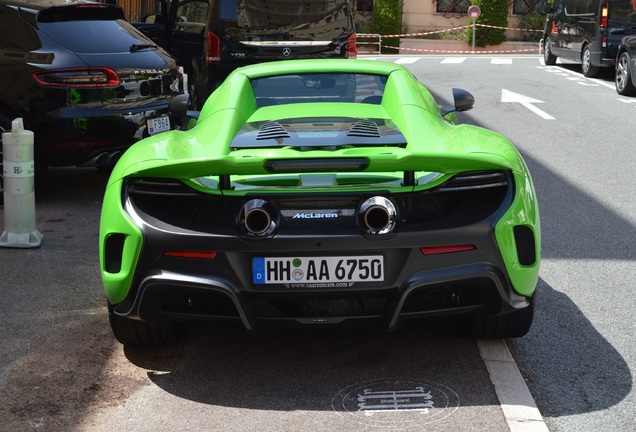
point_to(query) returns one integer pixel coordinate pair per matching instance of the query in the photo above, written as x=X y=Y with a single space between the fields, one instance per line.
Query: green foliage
x=387 y=19
x=532 y=21
x=494 y=13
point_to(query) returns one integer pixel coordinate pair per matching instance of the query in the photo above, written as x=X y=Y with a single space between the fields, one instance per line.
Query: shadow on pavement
x=574 y=369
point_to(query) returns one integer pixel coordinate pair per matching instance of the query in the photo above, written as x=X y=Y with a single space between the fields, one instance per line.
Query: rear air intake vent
x=272 y=130
x=166 y=187
x=364 y=128
x=524 y=237
x=475 y=180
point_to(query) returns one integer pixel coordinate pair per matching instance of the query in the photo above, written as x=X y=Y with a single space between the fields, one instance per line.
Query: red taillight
x=191 y=254
x=604 y=14
x=352 y=47
x=213 y=50
x=92 y=77
x=437 y=250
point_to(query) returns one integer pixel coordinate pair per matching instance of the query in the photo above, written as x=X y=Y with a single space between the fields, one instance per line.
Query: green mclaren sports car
x=320 y=193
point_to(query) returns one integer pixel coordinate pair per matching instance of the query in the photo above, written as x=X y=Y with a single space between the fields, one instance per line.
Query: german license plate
x=280 y=270
x=158 y=125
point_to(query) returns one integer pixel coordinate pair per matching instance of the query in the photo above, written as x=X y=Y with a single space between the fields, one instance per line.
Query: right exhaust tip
x=377 y=215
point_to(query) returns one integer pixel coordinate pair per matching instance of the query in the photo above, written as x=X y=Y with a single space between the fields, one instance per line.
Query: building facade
x=434 y=15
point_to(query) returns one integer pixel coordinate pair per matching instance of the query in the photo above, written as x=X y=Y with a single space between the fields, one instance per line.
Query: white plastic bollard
x=18 y=170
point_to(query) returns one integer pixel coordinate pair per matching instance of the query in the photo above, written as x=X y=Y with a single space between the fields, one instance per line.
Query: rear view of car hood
x=318 y=133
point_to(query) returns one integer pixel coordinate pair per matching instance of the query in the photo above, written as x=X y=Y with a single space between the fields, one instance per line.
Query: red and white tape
x=372 y=35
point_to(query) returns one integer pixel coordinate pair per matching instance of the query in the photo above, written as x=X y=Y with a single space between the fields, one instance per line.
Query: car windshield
x=327 y=87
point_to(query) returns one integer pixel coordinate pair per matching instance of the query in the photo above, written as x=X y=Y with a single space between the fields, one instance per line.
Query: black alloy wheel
x=588 y=69
x=623 y=77
x=548 y=58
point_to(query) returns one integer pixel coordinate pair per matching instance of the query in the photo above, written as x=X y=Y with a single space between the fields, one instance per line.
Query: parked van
x=587 y=31
x=211 y=38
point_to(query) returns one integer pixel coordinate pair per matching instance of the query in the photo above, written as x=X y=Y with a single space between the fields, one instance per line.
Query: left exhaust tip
x=256 y=218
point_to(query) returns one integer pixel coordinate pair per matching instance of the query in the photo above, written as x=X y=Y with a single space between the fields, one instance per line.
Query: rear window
x=94 y=36
x=85 y=12
x=328 y=87
x=291 y=20
x=623 y=11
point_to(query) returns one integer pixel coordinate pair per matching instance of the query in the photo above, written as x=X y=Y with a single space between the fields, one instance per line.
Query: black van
x=587 y=31
x=211 y=38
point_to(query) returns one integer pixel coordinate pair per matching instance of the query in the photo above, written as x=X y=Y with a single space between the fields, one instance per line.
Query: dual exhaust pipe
x=376 y=215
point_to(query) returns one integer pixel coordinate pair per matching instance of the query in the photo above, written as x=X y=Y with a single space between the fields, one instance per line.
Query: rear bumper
x=86 y=136
x=468 y=289
x=415 y=285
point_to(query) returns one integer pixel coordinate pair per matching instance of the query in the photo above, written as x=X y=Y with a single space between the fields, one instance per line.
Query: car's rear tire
x=623 y=77
x=548 y=58
x=589 y=70
x=130 y=332
x=510 y=325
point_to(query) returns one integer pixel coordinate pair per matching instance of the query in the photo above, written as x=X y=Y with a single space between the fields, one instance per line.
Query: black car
x=588 y=32
x=625 y=78
x=211 y=38
x=85 y=81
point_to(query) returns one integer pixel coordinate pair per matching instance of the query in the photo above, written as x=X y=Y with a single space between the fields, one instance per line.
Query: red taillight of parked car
x=604 y=14
x=352 y=47
x=213 y=49
x=100 y=77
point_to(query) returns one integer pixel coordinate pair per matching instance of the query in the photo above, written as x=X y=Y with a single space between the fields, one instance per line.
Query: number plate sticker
x=320 y=270
x=158 y=125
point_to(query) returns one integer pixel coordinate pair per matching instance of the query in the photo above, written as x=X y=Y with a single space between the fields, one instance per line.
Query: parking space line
x=517 y=404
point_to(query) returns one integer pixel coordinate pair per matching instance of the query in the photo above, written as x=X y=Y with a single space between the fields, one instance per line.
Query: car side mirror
x=179 y=104
x=464 y=101
x=178 y=107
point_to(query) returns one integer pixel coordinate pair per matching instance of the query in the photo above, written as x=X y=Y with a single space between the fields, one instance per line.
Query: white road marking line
x=517 y=404
x=454 y=60
x=501 y=61
x=407 y=60
x=510 y=97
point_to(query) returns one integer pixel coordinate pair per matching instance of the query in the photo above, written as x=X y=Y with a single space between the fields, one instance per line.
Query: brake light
x=191 y=254
x=438 y=250
x=92 y=77
x=352 y=47
x=604 y=14
x=213 y=50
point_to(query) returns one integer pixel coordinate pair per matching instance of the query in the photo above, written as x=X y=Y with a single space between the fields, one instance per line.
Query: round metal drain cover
x=395 y=402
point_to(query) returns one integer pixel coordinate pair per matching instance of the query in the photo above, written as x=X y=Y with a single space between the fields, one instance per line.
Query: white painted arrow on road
x=508 y=96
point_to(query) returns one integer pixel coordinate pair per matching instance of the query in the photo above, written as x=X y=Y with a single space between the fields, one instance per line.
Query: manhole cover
x=395 y=402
